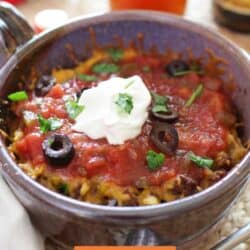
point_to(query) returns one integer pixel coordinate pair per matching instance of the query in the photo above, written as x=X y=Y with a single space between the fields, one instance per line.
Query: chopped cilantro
x=87 y=78
x=201 y=161
x=18 y=96
x=115 y=53
x=194 y=68
x=73 y=108
x=49 y=124
x=197 y=92
x=154 y=160
x=124 y=102
x=105 y=68
x=182 y=73
x=160 y=103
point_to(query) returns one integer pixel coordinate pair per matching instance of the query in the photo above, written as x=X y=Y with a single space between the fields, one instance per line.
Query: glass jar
x=234 y=14
x=174 y=6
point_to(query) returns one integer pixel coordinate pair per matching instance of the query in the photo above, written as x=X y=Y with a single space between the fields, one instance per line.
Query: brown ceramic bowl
x=75 y=222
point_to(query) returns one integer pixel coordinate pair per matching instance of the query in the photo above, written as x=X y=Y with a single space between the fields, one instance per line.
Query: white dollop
x=101 y=117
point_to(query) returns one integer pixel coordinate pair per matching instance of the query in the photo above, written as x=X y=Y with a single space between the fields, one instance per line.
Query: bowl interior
x=50 y=50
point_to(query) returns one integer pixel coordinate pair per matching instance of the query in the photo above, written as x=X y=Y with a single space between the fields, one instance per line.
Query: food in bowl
x=127 y=127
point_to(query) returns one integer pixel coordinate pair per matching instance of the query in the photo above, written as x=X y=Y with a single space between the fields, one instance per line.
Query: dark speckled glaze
x=75 y=222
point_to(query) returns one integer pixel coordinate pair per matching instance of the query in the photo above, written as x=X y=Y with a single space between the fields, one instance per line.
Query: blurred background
x=234 y=15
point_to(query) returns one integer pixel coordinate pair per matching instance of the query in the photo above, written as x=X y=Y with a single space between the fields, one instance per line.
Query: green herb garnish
x=63 y=188
x=193 y=69
x=115 y=53
x=160 y=103
x=146 y=68
x=154 y=160
x=105 y=68
x=197 y=92
x=18 y=96
x=124 y=102
x=73 y=108
x=87 y=78
x=182 y=73
x=49 y=124
x=201 y=161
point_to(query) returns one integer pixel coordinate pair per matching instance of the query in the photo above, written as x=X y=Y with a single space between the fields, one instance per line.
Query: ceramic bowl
x=74 y=222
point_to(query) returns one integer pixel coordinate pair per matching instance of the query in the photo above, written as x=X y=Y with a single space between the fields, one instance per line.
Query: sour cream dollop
x=102 y=117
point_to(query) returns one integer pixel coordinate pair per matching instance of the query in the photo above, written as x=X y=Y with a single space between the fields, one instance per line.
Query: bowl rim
x=93 y=211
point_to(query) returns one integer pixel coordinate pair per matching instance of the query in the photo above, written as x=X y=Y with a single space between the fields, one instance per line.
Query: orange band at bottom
x=124 y=248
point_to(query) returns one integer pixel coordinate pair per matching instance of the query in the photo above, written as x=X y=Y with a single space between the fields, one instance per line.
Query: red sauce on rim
x=198 y=127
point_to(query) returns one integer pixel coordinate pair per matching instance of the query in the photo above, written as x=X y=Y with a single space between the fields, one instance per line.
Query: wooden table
x=197 y=10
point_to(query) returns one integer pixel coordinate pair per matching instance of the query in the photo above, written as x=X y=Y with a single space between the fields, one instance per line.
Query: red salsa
x=198 y=100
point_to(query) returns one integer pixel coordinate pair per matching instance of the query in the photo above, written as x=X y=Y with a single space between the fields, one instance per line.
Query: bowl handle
x=143 y=237
x=14 y=31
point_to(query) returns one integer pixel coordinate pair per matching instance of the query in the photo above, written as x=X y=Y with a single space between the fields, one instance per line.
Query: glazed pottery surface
x=74 y=222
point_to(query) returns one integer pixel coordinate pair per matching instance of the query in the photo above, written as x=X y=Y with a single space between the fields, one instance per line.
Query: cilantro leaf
x=201 y=161
x=186 y=72
x=160 y=103
x=18 y=96
x=182 y=73
x=73 y=108
x=105 y=68
x=194 y=68
x=87 y=78
x=49 y=124
x=125 y=102
x=43 y=123
x=115 y=53
x=197 y=92
x=154 y=160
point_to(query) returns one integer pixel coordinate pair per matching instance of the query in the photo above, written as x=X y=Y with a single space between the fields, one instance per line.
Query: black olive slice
x=166 y=116
x=176 y=67
x=58 y=150
x=45 y=83
x=165 y=137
